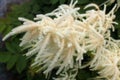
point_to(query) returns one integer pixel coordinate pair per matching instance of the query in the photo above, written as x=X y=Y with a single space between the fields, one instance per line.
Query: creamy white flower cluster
x=60 y=39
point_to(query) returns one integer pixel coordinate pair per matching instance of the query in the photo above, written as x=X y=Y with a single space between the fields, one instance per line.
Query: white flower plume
x=60 y=42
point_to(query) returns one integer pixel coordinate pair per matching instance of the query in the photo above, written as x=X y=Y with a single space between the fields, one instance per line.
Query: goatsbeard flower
x=62 y=41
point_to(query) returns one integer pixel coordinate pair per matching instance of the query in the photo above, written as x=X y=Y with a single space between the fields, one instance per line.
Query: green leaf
x=86 y=74
x=35 y=8
x=8 y=29
x=29 y=77
x=4 y=57
x=13 y=47
x=2 y=28
x=10 y=48
x=12 y=61
x=16 y=46
x=83 y=1
x=21 y=64
x=62 y=1
x=54 y=1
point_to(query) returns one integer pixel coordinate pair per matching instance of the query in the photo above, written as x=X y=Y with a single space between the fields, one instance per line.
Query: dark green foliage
x=12 y=61
x=15 y=61
x=86 y=74
x=12 y=55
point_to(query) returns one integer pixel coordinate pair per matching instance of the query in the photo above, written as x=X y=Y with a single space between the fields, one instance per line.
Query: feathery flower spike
x=61 y=42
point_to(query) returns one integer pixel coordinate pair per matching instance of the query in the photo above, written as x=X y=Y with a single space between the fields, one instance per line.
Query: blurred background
x=15 y=66
x=5 y=4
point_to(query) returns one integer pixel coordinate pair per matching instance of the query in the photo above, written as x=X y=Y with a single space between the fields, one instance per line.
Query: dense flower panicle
x=62 y=41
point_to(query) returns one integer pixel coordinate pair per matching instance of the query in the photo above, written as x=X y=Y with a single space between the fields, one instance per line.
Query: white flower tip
x=21 y=44
x=7 y=36
x=92 y=5
x=4 y=38
x=20 y=18
x=72 y=3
